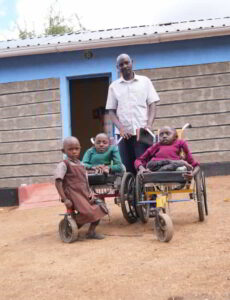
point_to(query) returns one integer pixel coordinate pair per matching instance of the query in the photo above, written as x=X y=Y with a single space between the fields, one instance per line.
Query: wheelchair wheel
x=68 y=230
x=199 y=195
x=127 y=196
x=142 y=210
x=164 y=227
x=204 y=193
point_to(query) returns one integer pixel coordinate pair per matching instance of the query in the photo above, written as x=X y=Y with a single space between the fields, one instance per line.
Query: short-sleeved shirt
x=61 y=169
x=131 y=99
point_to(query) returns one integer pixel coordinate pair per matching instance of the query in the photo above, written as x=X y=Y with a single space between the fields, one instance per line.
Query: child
x=102 y=157
x=72 y=185
x=165 y=155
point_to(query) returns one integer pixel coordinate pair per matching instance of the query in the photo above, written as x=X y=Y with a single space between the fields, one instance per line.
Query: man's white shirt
x=131 y=99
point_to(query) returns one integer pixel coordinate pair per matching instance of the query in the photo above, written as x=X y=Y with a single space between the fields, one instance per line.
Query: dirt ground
x=128 y=264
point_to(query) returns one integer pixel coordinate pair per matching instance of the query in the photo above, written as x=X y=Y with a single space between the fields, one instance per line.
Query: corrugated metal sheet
x=90 y=37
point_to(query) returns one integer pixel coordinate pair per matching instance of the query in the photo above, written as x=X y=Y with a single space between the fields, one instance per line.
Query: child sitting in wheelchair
x=103 y=157
x=166 y=155
x=73 y=187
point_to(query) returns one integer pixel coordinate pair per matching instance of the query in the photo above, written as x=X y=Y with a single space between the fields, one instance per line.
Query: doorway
x=87 y=107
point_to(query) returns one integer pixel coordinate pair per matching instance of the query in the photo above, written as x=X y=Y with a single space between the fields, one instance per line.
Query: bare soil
x=130 y=263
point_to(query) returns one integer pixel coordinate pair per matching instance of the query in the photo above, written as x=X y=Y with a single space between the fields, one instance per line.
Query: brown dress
x=76 y=188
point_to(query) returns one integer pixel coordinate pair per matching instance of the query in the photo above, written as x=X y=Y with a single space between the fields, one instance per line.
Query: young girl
x=102 y=157
x=165 y=155
x=72 y=185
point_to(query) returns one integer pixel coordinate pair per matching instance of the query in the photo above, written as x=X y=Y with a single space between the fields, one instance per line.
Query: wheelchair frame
x=123 y=192
x=163 y=185
x=120 y=186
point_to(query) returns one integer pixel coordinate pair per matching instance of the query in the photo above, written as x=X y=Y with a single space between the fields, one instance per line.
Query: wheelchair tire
x=164 y=227
x=204 y=193
x=68 y=230
x=199 y=195
x=127 y=196
x=142 y=210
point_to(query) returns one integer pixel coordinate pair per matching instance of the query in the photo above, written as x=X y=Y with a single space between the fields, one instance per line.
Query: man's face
x=124 y=65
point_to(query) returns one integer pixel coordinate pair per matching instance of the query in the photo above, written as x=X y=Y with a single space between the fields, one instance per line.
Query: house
x=55 y=86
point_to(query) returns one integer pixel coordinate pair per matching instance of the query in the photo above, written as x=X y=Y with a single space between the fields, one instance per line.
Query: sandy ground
x=129 y=264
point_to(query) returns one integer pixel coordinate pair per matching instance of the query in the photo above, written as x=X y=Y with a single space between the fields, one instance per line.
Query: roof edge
x=117 y=42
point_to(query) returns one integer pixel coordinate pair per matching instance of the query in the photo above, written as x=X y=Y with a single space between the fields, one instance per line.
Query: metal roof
x=134 y=35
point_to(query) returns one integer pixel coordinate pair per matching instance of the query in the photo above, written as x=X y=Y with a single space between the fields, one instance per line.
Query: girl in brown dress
x=72 y=185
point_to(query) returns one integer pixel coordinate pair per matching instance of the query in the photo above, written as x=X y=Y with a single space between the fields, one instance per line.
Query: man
x=132 y=105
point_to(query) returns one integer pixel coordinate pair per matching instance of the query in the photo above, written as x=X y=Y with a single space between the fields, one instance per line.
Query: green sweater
x=109 y=158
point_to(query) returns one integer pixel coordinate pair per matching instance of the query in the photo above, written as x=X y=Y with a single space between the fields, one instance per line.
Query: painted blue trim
x=72 y=65
x=65 y=107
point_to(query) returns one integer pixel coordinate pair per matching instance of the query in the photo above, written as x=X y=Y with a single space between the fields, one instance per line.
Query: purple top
x=161 y=152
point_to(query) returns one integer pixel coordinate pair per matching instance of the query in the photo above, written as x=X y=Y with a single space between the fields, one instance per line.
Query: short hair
x=69 y=139
x=121 y=55
x=102 y=133
x=172 y=129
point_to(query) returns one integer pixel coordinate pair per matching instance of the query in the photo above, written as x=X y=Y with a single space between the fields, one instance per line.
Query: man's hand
x=148 y=127
x=124 y=134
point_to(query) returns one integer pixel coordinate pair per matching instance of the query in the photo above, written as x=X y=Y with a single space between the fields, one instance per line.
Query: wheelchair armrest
x=164 y=177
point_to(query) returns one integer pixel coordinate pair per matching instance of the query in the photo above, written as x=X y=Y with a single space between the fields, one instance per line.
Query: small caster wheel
x=164 y=227
x=68 y=230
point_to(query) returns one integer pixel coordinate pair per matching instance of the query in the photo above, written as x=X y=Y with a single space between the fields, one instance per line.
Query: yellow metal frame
x=162 y=200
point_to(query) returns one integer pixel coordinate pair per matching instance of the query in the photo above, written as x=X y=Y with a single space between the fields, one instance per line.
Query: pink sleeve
x=145 y=157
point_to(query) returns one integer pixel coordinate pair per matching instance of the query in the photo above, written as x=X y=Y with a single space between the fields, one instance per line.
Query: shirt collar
x=121 y=79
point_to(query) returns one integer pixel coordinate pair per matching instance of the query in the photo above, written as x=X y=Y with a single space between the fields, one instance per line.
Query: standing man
x=132 y=104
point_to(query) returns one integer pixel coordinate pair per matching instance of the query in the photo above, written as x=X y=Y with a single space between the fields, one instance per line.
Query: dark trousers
x=130 y=150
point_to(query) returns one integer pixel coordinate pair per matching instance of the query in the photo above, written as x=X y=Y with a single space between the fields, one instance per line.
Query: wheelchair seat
x=101 y=179
x=164 y=177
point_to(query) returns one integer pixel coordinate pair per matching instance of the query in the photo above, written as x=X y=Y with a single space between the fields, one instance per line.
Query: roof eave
x=116 y=42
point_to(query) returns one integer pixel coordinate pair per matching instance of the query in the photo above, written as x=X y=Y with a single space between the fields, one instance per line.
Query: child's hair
x=68 y=140
x=102 y=134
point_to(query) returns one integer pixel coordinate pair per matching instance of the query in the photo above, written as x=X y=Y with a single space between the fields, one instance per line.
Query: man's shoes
x=95 y=236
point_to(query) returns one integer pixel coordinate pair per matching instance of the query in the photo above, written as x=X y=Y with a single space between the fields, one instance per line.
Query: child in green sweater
x=103 y=157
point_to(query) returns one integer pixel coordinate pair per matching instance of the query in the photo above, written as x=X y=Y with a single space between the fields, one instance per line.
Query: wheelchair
x=67 y=228
x=157 y=189
x=120 y=186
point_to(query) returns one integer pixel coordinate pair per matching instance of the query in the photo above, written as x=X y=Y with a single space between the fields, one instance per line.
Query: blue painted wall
x=73 y=64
